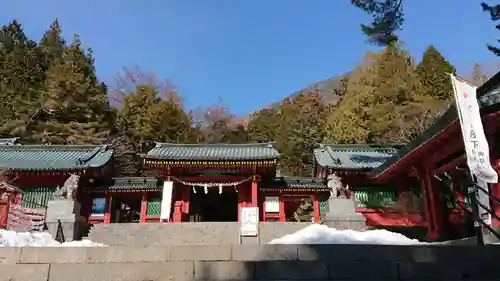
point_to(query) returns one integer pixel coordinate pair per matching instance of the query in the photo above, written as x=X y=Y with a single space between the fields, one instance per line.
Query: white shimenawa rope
x=206 y=185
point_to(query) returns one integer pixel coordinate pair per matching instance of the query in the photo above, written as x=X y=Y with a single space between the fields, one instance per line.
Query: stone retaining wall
x=251 y=262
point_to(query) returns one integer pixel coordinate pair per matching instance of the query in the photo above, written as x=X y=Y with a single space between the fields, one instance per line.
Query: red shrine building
x=379 y=203
x=436 y=162
x=212 y=182
x=31 y=174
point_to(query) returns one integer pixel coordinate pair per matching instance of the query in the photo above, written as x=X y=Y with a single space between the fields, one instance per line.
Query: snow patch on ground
x=10 y=238
x=322 y=234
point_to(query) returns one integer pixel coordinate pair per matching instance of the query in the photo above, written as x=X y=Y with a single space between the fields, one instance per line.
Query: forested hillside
x=50 y=94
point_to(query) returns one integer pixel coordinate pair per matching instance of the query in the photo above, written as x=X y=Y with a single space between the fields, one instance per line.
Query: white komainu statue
x=337 y=189
x=68 y=190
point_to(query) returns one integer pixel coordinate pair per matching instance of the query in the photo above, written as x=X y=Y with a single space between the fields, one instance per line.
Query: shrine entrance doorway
x=125 y=209
x=214 y=205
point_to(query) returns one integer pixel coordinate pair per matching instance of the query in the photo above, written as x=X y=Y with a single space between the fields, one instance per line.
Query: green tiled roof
x=353 y=156
x=248 y=151
x=129 y=183
x=297 y=182
x=53 y=157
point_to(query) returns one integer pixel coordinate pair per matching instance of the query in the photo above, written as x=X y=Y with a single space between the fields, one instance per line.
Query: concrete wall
x=251 y=262
x=199 y=233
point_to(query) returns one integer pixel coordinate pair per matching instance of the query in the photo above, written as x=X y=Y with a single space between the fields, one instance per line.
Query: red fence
x=24 y=219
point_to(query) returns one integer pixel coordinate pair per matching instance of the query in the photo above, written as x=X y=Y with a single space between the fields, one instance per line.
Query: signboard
x=249 y=221
x=98 y=206
x=272 y=204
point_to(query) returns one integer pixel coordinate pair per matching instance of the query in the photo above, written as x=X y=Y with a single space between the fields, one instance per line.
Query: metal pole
x=478 y=227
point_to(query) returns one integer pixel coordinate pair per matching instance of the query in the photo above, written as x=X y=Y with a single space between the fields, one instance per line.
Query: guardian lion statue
x=68 y=190
x=337 y=189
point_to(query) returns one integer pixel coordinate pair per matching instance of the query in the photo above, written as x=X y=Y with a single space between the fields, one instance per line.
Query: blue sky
x=248 y=53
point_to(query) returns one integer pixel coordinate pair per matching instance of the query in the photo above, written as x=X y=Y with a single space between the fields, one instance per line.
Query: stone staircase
x=199 y=233
x=252 y=262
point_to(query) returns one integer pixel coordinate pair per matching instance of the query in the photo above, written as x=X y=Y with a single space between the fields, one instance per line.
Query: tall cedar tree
x=388 y=18
x=146 y=118
x=73 y=107
x=381 y=102
x=301 y=126
x=434 y=73
x=21 y=75
x=346 y=123
x=262 y=126
x=478 y=76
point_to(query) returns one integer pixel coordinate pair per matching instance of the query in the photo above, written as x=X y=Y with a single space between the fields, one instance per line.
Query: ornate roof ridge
x=249 y=144
x=62 y=147
x=360 y=146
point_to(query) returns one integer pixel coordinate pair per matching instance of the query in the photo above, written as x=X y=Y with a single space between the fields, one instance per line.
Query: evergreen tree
x=52 y=45
x=388 y=18
x=72 y=108
x=263 y=126
x=20 y=73
x=346 y=122
x=146 y=118
x=478 y=77
x=301 y=126
x=394 y=97
x=434 y=73
x=382 y=102
x=494 y=12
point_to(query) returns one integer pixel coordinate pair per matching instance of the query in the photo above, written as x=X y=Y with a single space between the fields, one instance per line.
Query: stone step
x=165 y=234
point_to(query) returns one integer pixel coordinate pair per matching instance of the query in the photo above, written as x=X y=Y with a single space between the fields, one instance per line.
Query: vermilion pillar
x=107 y=213
x=427 y=205
x=144 y=207
x=255 y=194
x=495 y=193
x=282 y=210
x=317 y=216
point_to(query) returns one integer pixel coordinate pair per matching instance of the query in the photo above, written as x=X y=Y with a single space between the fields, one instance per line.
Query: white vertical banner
x=166 y=200
x=476 y=145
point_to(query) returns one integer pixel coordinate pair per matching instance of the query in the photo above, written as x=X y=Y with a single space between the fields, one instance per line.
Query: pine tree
x=494 y=12
x=434 y=73
x=388 y=18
